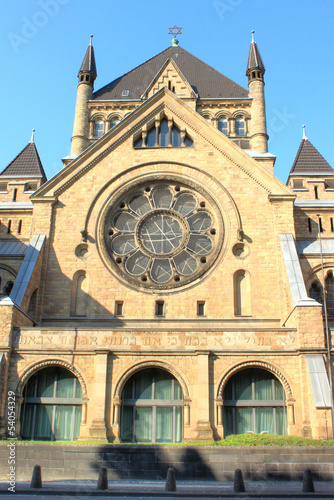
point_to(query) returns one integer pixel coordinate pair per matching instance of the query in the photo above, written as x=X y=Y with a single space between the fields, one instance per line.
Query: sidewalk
x=214 y=489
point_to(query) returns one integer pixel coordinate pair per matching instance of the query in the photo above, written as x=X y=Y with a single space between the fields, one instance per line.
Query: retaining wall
x=74 y=461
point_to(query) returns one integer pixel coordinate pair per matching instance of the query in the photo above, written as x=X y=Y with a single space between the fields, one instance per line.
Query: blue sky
x=43 y=43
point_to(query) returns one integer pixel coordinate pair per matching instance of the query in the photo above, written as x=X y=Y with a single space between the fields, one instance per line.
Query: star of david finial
x=175 y=31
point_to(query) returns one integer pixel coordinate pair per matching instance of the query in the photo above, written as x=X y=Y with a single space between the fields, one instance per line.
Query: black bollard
x=239 y=486
x=36 y=479
x=308 y=486
x=170 y=480
x=102 y=482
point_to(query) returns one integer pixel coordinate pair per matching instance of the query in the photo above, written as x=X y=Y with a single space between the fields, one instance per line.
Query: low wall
x=83 y=461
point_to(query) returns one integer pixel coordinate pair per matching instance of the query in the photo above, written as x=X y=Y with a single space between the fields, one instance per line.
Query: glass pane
x=177 y=390
x=125 y=222
x=99 y=129
x=45 y=383
x=163 y=385
x=222 y=126
x=228 y=421
x=200 y=244
x=185 y=204
x=161 y=234
x=127 y=424
x=228 y=390
x=43 y=422
x=124 y=244
x=143 y=425
x=161 y=271
x=264 y=420
x=176 y=137
x=281 y=421
x=137 y=264
x=243 y=385
x=188 y=142
x=30 y=387
x=64 y=387
x=78 y=390
x=63 y=423
x=185 y=264
x=77 y=422
x=140 y=205
x=163 y=133
x=127 y=391
x=240 y=126
x=143 y=385
x=150 y=138
x=162 y=198
x=243 y=420
x=27 y=420
x=164 y=425
x=279 y=391
x=263 y=385
x=199 y=222
x=178 y=424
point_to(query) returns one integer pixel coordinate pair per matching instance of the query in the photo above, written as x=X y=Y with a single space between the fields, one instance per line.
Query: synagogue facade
x=165 y=286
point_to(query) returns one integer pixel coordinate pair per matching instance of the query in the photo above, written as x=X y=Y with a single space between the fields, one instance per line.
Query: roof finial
x=91 y=40
x=175 y=41
x=253 y=36
x=304 y=135
x=32 y=136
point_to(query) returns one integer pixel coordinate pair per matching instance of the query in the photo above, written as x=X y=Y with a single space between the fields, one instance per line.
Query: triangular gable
x=171 y=77
x=163 y=103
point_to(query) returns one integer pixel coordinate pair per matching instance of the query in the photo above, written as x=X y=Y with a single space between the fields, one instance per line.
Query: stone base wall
x=62 y=461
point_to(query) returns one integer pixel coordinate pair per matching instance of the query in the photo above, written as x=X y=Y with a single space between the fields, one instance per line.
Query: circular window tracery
x=162 y=235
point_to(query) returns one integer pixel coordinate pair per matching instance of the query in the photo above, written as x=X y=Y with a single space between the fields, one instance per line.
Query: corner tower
x=87 y=75
x=255 y=73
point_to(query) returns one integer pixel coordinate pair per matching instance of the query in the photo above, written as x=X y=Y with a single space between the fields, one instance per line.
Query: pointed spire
x=32 y=137
x=88 y=64
x=254 y=58
x=304 y=135
x=26 y=164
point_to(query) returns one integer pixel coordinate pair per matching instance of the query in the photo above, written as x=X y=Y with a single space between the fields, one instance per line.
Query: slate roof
x=26 y=164
x=254 y=58
x=205 y=80
x=88 y=63
x=309 y=161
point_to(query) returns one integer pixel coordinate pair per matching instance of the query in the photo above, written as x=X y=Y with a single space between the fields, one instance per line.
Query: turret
x=87 y=75
x=255 y=72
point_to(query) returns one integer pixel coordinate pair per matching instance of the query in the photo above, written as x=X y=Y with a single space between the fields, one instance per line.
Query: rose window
x=162 y=236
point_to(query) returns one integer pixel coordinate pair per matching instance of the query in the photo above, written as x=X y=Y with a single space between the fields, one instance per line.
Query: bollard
x=170 y=480
x=308 y=486
x=239 y=486
x=36 y=479
x=102 y=482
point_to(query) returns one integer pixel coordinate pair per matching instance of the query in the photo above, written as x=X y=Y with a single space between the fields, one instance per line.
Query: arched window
x=223 y=125
x=51 y=408
x=242 y=294
x=329 y=284
x=315 y=292
x=98 y=128
x=79 y=294
x=240 y=126
x=254 y=402
x=163 y=135
x=152 y=404
x=7 y=279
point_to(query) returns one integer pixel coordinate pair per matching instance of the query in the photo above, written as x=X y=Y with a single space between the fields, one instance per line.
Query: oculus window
x=161 y=235
x=51 y=409
x=254 y=401
x=152 y=404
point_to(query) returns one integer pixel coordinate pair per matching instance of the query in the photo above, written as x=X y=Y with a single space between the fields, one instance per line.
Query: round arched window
x=51 y=407
x=152 y=404
x=254 y=401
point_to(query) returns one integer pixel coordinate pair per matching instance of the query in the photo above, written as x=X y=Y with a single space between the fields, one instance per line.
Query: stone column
x=204 y=429
x=98 y=428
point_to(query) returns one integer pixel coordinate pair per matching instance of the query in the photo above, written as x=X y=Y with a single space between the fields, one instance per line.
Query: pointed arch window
x=79 y=294
x=315 y=292
x=163 y=134
x=223 y=125
x=329 y=283
x=240 y=128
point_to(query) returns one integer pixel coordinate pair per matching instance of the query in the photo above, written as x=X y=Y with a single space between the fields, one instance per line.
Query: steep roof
x=26 y=164
x=205 y=80
x=254 y=57
x=309 y=161
x=88 y=63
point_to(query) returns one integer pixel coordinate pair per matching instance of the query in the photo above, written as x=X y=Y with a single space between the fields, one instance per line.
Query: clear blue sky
x=43 y=43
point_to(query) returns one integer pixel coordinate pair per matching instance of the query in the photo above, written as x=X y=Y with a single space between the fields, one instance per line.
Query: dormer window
x=98 y=128
x=240 y=126
x=223 y=125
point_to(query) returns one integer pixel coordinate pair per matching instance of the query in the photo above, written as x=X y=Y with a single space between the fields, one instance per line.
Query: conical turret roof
x=254 y=57
x=309 y=161
x=88 y=63
x=26 y=164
